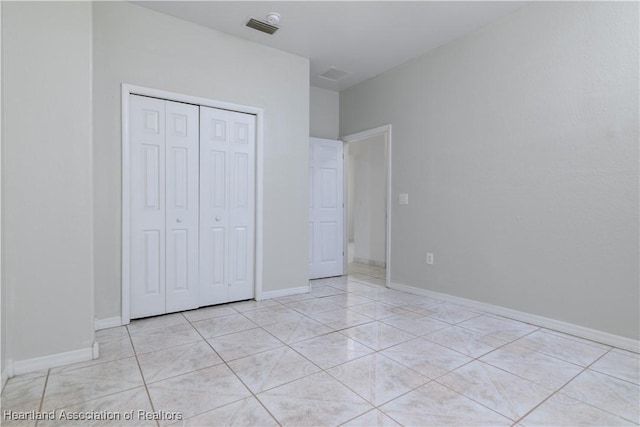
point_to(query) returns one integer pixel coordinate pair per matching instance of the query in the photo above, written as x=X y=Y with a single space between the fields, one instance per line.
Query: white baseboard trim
x=284 y=292
x=7 y=372
x=110 y=322
x=53 y=360
x=534 y=319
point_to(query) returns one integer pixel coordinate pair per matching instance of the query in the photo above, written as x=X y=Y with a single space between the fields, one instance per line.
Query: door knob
x=178 y=220
x=218 y=219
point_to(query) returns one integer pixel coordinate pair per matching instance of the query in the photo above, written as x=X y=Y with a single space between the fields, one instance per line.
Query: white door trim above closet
x=128 y=90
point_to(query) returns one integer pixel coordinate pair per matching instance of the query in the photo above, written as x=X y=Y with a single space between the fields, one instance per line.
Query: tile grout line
x=325 y=370
x=586 y=369
x=477 y=358
x=67 y=405
x=613 y=376
x=563 y=386
x=538 y=328
x=508 y=372
x=470 y=398
x=435 y=379
x=44 y=390
x=340 y=331
x=398 y=397
x=375 y=352
x=473 y=359
x=574 y=338
x=237 y=376
x=223 y=362
x=538 y=352
x=144 y=381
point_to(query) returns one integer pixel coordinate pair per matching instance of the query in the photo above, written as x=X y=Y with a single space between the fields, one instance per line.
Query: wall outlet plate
x=430 y=258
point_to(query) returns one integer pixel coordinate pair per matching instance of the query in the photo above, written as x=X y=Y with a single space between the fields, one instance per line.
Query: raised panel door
x=182 y=152
x=326 y=208
x=147 y=270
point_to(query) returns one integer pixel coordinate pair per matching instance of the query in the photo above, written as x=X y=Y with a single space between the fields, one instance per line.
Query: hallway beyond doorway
x=369 y=274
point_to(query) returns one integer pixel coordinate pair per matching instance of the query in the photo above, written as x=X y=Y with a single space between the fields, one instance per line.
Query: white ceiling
x=364 y=38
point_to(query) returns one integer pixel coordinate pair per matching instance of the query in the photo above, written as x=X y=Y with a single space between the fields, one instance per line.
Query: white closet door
x=147 y=135
x=326 y=208
x=164 y=206
x=242 y=208
x=227 y=205
x=181 y=206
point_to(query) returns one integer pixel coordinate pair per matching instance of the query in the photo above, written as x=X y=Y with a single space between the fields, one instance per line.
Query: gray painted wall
x=518 y=146
x=324 y=113
x=47 y=229
x=3 y=299
x=135 y=45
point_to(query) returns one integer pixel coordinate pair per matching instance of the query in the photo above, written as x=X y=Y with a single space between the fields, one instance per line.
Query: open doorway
x=367 y=177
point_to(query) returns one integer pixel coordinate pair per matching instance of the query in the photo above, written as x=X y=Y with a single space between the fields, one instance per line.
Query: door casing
x=381 y=130
x=126 y=91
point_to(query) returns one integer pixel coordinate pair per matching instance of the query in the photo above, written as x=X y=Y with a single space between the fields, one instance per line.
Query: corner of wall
x=324 y=113
x=58 y=37
x=3 y=308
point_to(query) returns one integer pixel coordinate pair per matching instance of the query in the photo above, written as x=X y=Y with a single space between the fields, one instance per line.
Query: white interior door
x=164 y=206
x=182 y=141
x=326 y=208
x=227 y=205
x=147 y=134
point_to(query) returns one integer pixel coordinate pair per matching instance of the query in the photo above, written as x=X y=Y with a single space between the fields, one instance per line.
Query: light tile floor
x=349 y=353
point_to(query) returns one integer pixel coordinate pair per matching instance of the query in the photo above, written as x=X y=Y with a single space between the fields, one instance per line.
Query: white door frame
x=386 y=131
x=128 y=89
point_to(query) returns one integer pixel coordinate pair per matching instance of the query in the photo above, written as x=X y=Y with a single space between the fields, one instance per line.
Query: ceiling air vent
x=261 y=26
x=334 y=74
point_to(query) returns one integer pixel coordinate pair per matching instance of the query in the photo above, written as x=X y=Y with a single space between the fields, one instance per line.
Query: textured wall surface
x=138 y=46
x=518 y=145
x=47 y=229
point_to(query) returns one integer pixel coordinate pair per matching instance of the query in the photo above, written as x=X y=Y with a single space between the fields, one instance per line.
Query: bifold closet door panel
x=164 y=139
x=182 y=152
x=227 y=205
x=147 y=227
x=242 y=208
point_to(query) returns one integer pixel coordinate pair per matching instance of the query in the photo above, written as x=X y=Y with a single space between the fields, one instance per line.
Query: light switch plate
x=403 y=199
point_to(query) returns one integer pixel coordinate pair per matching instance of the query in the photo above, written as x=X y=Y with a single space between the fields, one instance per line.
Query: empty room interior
x=320 y=213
